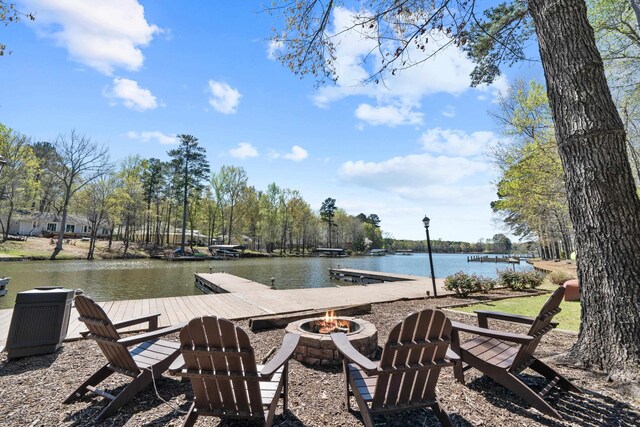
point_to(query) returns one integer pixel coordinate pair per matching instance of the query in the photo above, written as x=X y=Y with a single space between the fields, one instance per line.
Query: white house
x=48 y=224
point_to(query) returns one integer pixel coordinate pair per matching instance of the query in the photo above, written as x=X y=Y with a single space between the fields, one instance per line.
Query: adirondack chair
x=218 y=359
x=406 y=376
x=491 y=353
x=148 y=359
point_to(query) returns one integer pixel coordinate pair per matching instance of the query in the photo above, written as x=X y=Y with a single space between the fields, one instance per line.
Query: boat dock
x=496 y=259
x=239 y=298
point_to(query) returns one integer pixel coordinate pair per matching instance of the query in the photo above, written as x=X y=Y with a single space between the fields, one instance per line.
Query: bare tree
x=79 y=162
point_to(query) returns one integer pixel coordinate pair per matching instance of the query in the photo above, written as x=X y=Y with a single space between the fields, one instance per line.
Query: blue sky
x=133 y=74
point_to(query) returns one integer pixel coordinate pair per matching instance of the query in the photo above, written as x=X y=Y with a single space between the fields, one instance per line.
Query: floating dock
x=496 y=259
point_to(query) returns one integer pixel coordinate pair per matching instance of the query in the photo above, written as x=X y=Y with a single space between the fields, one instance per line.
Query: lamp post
x=2 y=163
x=425 y=221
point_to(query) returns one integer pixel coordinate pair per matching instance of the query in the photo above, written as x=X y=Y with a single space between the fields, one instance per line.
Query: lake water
x=106 y=280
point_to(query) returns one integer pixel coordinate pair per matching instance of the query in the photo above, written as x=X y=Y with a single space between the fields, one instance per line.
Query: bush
x=559 y=277
x=487 y=284
x=463 y=284
x=519 y=280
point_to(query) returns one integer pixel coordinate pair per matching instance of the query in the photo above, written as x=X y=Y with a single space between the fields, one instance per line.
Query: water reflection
x=133 y=279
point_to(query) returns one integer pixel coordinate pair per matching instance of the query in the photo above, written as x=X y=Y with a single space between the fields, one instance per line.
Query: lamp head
x=425 y=221
x=2 y=163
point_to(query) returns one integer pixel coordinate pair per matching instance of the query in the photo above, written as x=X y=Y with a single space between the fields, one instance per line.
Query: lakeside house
x=47 y=224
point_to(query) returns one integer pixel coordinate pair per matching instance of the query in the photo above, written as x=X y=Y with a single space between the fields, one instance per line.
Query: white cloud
x=274 y=49
x=498 y=88
x=224 y=98
x=101 y=34
x=449 y=111
x=449 y=171
x=445 y=72
x=131 y=95
x=388 y=115
x=243 y=151
x=414 y=170
x=146 y=136
x=297 y=154
x=457 y=142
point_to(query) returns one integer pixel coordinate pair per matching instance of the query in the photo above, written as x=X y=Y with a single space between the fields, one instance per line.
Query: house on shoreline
x=44 y=224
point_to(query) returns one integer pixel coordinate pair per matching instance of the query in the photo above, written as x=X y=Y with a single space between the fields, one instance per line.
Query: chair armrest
x=151 y=318
x=349 y=352
x=289 y=343
x=452 y=356
x=483 y=315
x=137 y=339
x=505 y=336
x=177 y=366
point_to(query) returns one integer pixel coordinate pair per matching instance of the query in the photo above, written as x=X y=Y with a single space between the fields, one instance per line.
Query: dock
x=237 y=298
x=496 y=259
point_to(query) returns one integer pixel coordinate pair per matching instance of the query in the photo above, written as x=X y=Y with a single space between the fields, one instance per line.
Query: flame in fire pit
x=331 y=323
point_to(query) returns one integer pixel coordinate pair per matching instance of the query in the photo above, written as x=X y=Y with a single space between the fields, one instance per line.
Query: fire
x=331 y=323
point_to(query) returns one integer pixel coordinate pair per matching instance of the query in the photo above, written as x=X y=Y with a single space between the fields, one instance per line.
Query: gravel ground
x=32 y=389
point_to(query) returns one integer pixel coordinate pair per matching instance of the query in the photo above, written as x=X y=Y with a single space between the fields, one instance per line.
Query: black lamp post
x=425 y=221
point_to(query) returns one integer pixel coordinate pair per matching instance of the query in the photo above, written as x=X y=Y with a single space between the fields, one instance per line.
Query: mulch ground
x=32 y=389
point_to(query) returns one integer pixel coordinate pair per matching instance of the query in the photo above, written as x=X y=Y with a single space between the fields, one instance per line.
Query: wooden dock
x=495 y=259
x=240 y=298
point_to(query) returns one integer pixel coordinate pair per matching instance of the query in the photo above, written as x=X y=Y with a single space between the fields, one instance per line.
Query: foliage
x=191 y=169
x=327 y=213
x=497 y=39
x=520 y=280
x=79 y=161
x=559 y=277
x=463 y=284
x=18 y=183
x=531 y=192
x=618 y=36
x=8 y=15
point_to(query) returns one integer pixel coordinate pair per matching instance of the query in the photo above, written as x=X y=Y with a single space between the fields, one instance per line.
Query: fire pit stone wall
x=318 y=349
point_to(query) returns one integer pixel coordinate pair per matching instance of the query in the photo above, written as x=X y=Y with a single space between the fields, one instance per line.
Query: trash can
x=39 y=322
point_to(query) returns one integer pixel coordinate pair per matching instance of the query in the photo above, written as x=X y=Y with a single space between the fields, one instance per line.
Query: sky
x=134 y=74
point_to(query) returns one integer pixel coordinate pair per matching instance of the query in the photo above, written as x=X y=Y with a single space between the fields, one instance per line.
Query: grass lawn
x=569 y=317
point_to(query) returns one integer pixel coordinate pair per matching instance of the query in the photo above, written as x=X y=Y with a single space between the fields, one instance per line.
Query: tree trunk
x=92 y=240
x=603 y=202
x=63 y=224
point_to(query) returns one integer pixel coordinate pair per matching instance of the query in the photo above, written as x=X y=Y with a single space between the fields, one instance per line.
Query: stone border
x=318 y=349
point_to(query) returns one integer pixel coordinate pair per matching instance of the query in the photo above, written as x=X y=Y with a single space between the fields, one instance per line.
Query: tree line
x=161 y=203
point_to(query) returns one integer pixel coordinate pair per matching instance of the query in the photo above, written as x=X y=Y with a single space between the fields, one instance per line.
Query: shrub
x=487 y=284
x=463 y=284
x=519 y=280
x=559 y=277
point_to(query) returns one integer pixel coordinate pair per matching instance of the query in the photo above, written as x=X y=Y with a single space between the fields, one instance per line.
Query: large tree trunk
x=603 y=202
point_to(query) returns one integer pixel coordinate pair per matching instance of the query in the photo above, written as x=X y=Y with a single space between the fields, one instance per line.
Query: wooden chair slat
x=503 y=362
x=220 y=362
x=408 y=370
x=211 y=395
x=149 y=358
x=239 y=387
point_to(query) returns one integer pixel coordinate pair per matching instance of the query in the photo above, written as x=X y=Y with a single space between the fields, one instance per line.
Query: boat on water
x=4 y=281
x=226 y=251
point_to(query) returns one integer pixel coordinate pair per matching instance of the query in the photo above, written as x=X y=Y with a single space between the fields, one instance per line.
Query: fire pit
x=316 y=347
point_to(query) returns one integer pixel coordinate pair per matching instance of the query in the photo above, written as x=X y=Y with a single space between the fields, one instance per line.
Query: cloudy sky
x=133 y=74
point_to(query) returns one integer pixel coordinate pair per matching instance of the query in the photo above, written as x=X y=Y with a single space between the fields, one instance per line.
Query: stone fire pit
x=316 y=347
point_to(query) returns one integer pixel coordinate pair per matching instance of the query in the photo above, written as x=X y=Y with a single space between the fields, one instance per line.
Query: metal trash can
x=39 y=322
